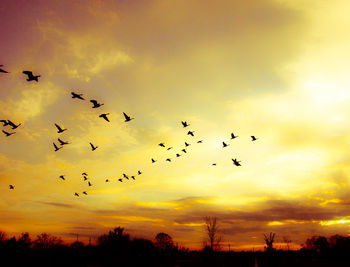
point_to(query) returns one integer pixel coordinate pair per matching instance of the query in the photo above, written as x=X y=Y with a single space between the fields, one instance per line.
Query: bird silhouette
x=79 y=96
x=187 y=144
x=7 y=133
x=89 y=184
x=169 y=148
x=104 y=116
x=139 y=172
x=153 y=160
x=62 y=177
x=56 y=147
x=127 y=118
x=93 y=147
x=76 y=194
x=190 y=133
x=184 y=150
x=254 y=138
x=84 y=192
x=125 y=176
x=14 y=126
x=30 y=75
x=214 y=164
x=233 y=136
x=60 y=130
x=178 y=155
x=161 y=144
x=236 y=162
x=184 y=124
x=2 y=70
x=62 y=142
x=168 y=159
x=200 y=141
x=133 y=177
x=11 y=186
x=120 y=180
x=95 y=104
x=107 y=180
x=84 y=173
x=85 y=178
x=5 y=122
x=224 y=144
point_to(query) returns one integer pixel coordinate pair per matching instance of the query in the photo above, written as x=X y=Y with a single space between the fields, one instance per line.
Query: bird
x=161 y=144
x=79 y=96
x=233 y=136
x=125 y=176
x=84 y=173
x=178 y=155
x=200 y=141
x=84 y=192
x=139 y=172
x=7 y=133
x=107 y=180
x=254 y=138
x=76 y=194
x=93 y=147
x=127 y=118
x=60 y=130
x=62 y=177
x=30 y=75
x=224 y=144
x=104 y=116
x=1 y=70
x=11 y=186
x=169 y=148
x=95 y=104
x=85 y=178
x=5 y=122
x=56 y=147
x=153 y=160
x=187 y=144
x=14 y=126
x=236 y=162
x=168 y=159
x=62 y=142
x=89 y=184
x=184 y=124
x=184 y=150
x=190 y=133
x=133 y=177
x=214 y=164
x=120 y=180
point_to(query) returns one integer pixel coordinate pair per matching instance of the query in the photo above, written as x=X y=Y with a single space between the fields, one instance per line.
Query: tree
x=212 y=228
x=287 y=241
x=2 y=237
x=269 y=239
x=46 y=241
x=317 y=243
x=115 y=237
x=164 y=242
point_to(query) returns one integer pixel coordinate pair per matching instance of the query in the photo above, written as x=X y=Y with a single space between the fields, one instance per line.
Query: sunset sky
x=276 y=69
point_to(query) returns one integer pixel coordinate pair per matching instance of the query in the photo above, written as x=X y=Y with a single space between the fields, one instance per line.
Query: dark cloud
x=56 y=204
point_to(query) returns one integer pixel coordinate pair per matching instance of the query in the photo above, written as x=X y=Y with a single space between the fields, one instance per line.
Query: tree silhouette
x=269 y=239
x=45 y=241
x=164 y=242
x=212 y=228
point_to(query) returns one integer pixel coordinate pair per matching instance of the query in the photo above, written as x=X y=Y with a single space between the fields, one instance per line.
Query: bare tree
x=269 y=239
x=211 y=227
x=287 y=241
x=2 y=237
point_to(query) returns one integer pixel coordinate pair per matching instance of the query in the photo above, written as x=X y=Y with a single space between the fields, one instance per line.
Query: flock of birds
x=96 y=104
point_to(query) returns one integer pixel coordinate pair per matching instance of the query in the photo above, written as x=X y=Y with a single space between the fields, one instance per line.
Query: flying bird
x=120 y=180
x=14 y=126
x=184 y=124
x=169 y=148
x=214 y=164
x=168 y=159
x=62 y=177
x=107 y=180
x=224 y=144
x=190 y=133
x=30 y=75
x=104 y=116
x=84 y=173
x=236 y=162
x=79 y=96
x=89 y=184
x=93 y=147
x=187 y=144
x=84 y=192
x=161 y=144
x=56 y=147
x=153 y=161
x=139 y=172
x=11 y=186
x=85 y=178
x=76 y=194
x=7 y=133
x=1 y=70
x=125 y=176
x=133 y=177
x=60 y=130
x=62 y=142
x=127 y=118
x=95 y=104
x=178 y=155
x=233 y=136
x=184 y=150
x=254 y=138
x=5 y=122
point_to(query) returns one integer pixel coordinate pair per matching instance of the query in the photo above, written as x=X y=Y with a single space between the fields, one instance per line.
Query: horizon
x=273 y=69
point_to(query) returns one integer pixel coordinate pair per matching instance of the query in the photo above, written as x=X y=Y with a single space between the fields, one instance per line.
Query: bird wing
x=93 y=102
x=11 y=123
x=58 y=127
x=91 y=145
x=27 y=72
x=126 y=116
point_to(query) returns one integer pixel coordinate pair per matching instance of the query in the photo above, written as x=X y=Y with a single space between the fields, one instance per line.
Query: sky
x=275 y=69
